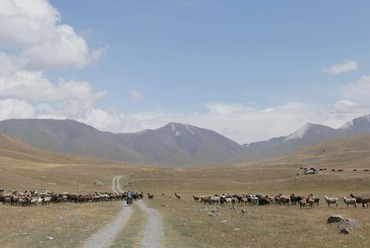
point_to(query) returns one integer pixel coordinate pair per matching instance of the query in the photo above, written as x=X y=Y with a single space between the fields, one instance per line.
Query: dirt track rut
x=152 y=233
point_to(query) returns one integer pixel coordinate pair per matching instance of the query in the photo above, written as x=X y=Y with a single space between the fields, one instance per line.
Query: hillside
x=20 y=153
x=173 y=145
x=177 y=143
x=307 y=135
x=69 y=137
x=340 y=152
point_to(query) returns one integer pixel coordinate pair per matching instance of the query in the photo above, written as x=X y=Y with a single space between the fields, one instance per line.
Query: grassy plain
x=187 y=223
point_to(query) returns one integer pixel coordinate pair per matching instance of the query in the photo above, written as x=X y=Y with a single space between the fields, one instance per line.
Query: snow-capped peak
x=347 y=125
x=176 y=126
x=142 y=132
x=351 y=124
x=300 y=133
x=189 y=129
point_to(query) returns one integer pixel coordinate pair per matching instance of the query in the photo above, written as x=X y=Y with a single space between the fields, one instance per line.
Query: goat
x=177 y=196
x=150 y=196
x=350 y=201
x=331 y=200
x=196 y=198
x=295 y=199
x=364 y=200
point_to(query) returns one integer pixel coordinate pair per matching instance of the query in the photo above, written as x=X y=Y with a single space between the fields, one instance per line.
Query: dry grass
x=67 y=224
x=187 y=224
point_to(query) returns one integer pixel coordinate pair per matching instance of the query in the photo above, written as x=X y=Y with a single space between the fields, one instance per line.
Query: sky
x=249 y=70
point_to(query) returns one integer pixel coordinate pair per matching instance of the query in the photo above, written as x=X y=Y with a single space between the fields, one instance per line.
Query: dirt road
x=152 y=234
x=153 y=231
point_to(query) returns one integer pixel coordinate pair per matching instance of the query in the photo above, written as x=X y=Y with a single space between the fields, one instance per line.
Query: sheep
x=311 y=201
x=316 y=199
x=307 y=200
x=204 y=198
x=253 y=199
x=243 y=200
x=46 y=199
x=331 y=200
x=229 y=200
x=223 y=199
x=302 y=202
x=214 y=200
x=350 y=201
x=264 y=200
x=283 y=199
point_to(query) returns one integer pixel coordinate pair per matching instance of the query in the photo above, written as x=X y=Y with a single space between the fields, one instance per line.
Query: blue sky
x=250 y=70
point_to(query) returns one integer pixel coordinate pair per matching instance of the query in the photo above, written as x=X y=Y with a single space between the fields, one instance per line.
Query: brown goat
x=150 y=196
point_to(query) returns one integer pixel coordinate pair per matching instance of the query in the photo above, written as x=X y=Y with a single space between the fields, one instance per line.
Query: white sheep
x=350 y=201
x=331 y=200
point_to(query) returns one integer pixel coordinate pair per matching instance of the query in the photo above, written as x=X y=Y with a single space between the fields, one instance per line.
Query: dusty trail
x=105 y=237
x=152 y=233
x=116 y=186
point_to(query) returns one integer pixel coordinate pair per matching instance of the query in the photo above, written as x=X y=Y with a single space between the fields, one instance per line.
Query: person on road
x=129 y=198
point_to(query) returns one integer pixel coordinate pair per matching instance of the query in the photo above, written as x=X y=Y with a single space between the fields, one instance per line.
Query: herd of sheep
x=35 y=198
x=30 y=198
x=281 y=199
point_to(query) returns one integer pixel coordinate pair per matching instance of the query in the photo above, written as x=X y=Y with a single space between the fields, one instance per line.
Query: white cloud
x=344 y=105
x=357 y=91
x=112 y=121
x=32 y=29
x=244 y=124
x=15 y=109
x=347 y=66
x=137 y=94
x=225 y=108
x=19 y=83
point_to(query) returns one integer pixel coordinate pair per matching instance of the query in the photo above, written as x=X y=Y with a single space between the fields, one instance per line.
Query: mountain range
x=173 y=145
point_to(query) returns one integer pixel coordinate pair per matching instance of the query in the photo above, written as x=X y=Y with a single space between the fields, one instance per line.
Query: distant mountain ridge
x=68 y=137
x=176 y=142
x=174 y=145
x=309 y=134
